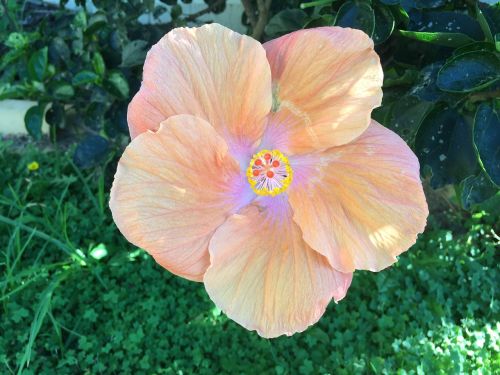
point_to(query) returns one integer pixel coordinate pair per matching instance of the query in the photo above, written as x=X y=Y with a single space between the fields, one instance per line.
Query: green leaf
x=392 y=78
x=90 y=151
x=55 y=115
x=96 y=22
x=175 y=11
x=17 y=40
x=475 y=190
x=98 y=64
x=80 y=20
x=406 y=116
x=134 y=53
x=384 y=24
x=484 y=24
x=62 y=91
x=33 y=120
x=316 y=3
x=117 y=85
x=84 y=77
x=11 y=57
x=37 y=65
x=286 y=21
x=444 y=143
x=441 y=39
x=445 y=22
x=358 y=15
x=59 y=51
x=487 y=140
x=492 y=16
x=470 y=71
x=428 y=4
x=320 y=21
x=476 y=46
x=21 y=40
x=426 y=89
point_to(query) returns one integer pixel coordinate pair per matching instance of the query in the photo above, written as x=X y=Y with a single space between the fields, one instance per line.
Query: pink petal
x=265 y=277
x=332 y=77
x=361 y=204
x=172 y=189
x=211 y=72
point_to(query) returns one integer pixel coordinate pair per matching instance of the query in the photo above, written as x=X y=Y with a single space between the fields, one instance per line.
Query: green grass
x=77 y=298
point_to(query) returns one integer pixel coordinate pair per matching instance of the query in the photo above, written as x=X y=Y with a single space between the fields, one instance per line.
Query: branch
x=263 y=7
x=484 y=95
x=200 y=13
x=250 y=12
x=9 y=16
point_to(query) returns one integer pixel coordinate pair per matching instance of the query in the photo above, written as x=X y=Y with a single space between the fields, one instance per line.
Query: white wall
x=12 y=116
x=231 y=17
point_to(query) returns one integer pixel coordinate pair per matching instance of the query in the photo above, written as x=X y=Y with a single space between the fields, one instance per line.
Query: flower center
x=269 y=173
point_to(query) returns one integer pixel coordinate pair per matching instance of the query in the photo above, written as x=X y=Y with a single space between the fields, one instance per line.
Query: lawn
x=77 y=298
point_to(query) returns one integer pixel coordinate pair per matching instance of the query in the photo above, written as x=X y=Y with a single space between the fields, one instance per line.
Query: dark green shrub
x=82 y=66
x=442 y=80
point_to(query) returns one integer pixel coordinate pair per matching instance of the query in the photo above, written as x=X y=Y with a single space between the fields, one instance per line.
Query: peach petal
x=265 y=277
x=361 y=204
x=330 y=75
x=210 y=72
x=171 y=192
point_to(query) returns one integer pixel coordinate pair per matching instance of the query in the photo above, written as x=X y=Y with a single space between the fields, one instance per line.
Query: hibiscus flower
x=257 y=170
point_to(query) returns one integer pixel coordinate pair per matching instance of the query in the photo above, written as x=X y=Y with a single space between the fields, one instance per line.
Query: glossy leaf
x=476 y=46
x=37 y=65
x=96 y=21
x=444 y=144
x=286 y=21
x=475 y=190
x=487 y=140
x=492 y=16
x=441 y=39
x=323 y=20
x=91 y=151
x=469 y=72
x=117 y=85
x=59 y=51
x=98 y=64
x=55 y=115
x=33 y=120
x=426 y=88
x=84 y=77
x=406 y=116
x=384 y=24
x=134 y=53
x=358 y=15
x=445 y=22
x=62 y=91
x=429 y=4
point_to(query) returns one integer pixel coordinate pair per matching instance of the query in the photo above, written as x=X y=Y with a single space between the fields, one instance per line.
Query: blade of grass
x=87 y=187
x=71 y=252
x=40 y=313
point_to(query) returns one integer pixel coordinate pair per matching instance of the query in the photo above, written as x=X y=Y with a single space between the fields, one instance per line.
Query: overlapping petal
x=361 y=204
x=172 y=189
x=330 y=76
x=265 y=277
x=210 y=72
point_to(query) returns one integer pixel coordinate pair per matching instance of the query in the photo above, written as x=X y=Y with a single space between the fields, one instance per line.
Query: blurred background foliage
x=440 y=58
x=442 y=80
x=73 y=301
